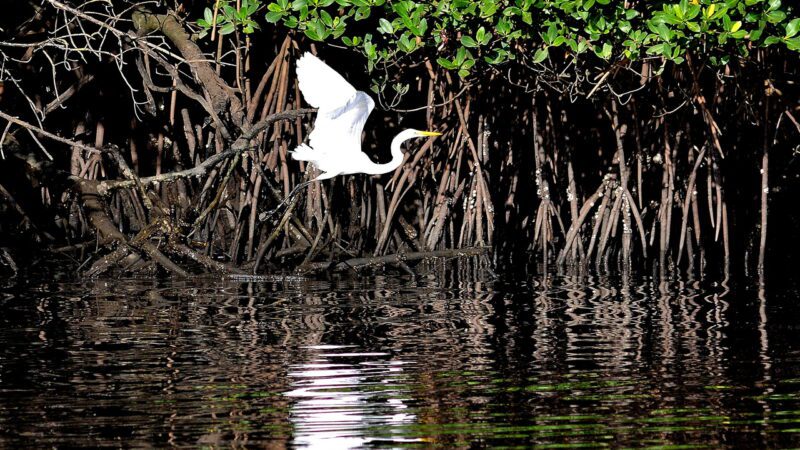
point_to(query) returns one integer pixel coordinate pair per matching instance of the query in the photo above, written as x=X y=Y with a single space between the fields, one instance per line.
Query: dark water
x=447 y=361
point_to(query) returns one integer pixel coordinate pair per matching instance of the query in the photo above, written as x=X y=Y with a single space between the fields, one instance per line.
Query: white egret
x=334 y=145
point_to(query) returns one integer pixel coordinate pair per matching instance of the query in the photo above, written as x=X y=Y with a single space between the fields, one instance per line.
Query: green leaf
x=312 y=34
x=326 y=18
x=446 y=63
x=228 y=28
x=792 y=28
x=362 y=13
x=274 y=17
x=776 y=16
x=291 y=22
x=540 y=55
x=370 y=50
x=461 y=55
x=603 y=51
x=405 y=44
x=316 y=31
x=385 y=27
x=467 y=41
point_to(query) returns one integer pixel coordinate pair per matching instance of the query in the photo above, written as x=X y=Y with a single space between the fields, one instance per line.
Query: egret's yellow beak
x=430 y=133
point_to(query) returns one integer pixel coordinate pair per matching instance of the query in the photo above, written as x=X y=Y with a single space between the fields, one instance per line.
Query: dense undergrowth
x=612 y=135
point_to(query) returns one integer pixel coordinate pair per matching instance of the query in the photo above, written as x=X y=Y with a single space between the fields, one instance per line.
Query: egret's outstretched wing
x=339 y=130
x=342 y=113
x=322 y=87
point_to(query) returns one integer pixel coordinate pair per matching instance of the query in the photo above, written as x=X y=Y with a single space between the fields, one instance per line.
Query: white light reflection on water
x=342 y=396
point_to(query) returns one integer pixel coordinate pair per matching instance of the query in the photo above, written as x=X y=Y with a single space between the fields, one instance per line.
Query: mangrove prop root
x=574 y=176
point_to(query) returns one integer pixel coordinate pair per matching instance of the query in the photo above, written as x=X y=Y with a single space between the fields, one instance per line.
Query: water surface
x=450 y=360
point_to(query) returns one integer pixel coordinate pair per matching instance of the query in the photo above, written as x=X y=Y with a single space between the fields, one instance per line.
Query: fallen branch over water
x=397 y=258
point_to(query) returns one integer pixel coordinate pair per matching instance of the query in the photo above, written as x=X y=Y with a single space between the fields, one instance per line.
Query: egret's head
x=411 y=134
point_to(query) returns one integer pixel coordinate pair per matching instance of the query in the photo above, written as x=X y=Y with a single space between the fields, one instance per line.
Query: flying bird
x=334 y=145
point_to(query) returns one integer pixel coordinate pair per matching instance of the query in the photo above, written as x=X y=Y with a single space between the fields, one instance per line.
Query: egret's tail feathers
x=304 y=153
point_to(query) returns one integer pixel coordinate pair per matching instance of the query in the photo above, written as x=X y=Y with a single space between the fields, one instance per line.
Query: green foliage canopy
x=461 y=35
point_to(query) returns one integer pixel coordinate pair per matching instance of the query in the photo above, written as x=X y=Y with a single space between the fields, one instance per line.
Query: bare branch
x=48 y=134
x=241 y=145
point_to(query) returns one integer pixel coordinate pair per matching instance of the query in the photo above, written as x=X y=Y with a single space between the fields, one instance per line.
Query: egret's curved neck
x=397 y=155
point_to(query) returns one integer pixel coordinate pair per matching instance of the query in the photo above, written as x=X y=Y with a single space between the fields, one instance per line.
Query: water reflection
x=342 y=393
x=449 y=361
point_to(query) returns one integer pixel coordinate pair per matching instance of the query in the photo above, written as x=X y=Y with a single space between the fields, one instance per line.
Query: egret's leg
x=268 y=214
x=294 y=192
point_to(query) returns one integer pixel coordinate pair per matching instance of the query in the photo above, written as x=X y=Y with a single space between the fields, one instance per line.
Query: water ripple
x=448 y=361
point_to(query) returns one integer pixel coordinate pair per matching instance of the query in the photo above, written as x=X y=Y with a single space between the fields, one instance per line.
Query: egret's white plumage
x=334 y=145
